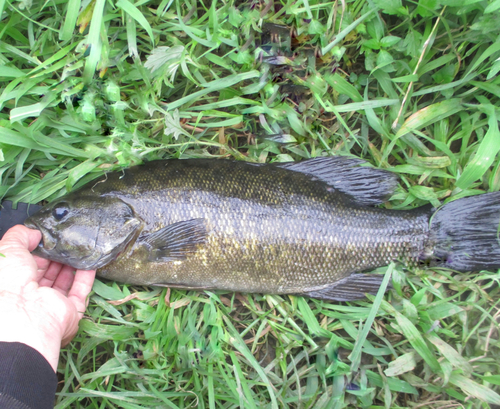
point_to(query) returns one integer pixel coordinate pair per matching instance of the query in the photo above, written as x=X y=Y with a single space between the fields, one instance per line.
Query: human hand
x=41 y=302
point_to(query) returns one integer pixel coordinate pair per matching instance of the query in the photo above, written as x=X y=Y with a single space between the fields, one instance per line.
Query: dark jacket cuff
x=27 y=381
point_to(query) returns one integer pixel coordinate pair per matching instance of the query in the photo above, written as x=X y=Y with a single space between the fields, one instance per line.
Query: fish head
x=85 y=232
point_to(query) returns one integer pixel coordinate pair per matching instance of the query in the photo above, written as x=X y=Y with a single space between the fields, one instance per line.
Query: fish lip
x=31 y=225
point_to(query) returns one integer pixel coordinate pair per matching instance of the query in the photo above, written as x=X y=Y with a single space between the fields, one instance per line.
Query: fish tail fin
x=466 y=233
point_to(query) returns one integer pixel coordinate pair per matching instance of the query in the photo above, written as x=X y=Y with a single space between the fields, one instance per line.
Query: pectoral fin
x=175 y=241
x=350 y=288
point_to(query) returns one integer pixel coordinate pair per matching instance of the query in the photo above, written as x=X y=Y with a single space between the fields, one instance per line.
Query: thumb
x=21 y=237
x=17 y=266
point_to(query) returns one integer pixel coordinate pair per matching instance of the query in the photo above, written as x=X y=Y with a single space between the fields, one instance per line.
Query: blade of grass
x=214 y=86
x=132 y=37
x=355 y=355
x=94 y=41
x=40 y=142
x=357 y=106
x=486 y=153
x=236 y=341
x=414 y=338
x=475 y=389
x=134 y=12
x=340 y=36
x=69 y=24
x=429 y=115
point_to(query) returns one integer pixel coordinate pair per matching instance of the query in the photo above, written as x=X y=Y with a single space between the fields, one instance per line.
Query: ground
x=410 y=86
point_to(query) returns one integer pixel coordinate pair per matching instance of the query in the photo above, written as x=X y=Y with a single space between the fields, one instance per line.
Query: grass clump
x=413 y=87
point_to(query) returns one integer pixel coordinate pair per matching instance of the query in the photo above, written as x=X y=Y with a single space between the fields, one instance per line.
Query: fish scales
x=270 y=230
x=299 y=228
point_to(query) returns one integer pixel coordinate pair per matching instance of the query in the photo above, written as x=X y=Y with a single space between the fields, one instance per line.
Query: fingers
x=34 y=237
x=64 y=280
x=49 y=272
x=61 y=277
x=43 y=264
x=82 y=285
x=21 y=237
x=67 y=339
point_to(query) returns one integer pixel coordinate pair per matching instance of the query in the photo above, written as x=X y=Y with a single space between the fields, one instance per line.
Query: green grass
x=410 y=86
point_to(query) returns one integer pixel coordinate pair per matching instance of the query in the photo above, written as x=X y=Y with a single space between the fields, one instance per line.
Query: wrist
x=26 y=378
x=36 y=341
x=17 y=323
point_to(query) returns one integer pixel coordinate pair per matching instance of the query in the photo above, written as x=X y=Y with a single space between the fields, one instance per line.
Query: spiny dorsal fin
x=367 y=185
x=175 y=241
x=350 y=288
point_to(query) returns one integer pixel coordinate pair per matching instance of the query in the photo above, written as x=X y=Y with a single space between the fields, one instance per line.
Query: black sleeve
x=27 y=381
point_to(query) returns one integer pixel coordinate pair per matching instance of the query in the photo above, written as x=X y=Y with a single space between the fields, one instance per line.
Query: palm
x=41 y=301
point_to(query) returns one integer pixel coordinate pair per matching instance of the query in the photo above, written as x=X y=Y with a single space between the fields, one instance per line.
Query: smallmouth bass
x=299 y=228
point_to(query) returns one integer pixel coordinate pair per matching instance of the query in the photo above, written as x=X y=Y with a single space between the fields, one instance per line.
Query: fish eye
x=60 y=212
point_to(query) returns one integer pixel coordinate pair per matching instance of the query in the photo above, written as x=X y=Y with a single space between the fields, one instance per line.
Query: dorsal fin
x=367 y=185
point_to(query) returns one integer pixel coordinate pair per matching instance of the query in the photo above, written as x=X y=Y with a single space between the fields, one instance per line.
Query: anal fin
x=350 y=288
x=180 y=286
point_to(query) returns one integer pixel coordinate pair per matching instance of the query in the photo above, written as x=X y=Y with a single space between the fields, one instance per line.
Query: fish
x=313 y=228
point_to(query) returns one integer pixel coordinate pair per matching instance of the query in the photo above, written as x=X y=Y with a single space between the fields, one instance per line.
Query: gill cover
x=85 y=232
